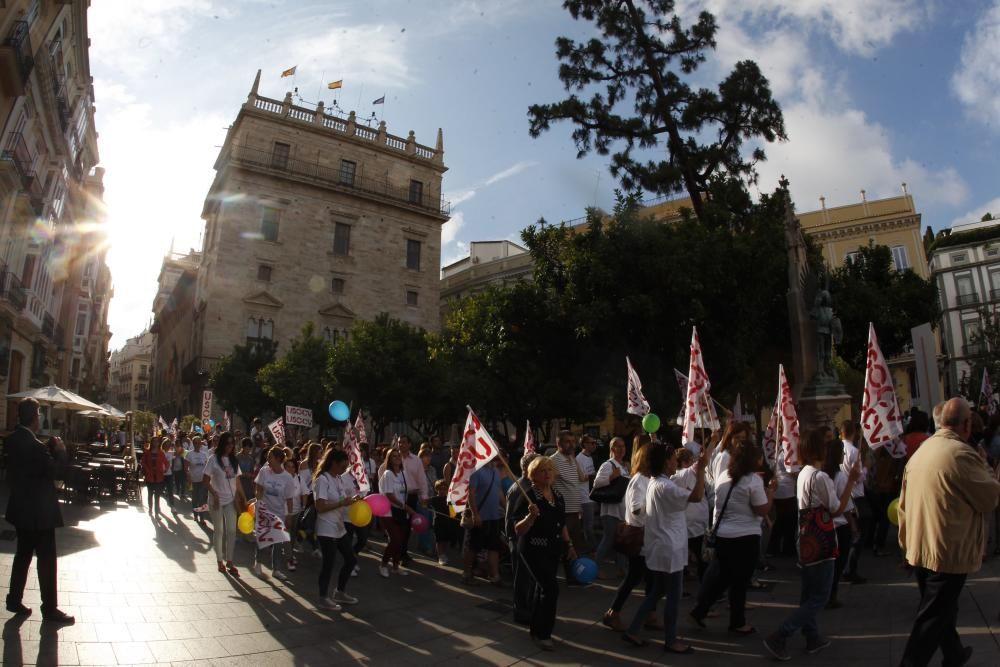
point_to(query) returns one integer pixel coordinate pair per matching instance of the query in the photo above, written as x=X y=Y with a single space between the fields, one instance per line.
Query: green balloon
x=650 y=423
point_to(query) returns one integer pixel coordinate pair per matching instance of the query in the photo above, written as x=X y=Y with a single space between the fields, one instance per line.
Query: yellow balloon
x=245 y=523
x=252 y=508
x=893 y=512
x=360 y=514
x=452 y=511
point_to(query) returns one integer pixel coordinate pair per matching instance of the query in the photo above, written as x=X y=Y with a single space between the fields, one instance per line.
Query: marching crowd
x=696 y=520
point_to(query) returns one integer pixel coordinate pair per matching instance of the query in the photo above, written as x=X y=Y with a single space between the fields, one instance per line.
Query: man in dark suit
x=33 y=509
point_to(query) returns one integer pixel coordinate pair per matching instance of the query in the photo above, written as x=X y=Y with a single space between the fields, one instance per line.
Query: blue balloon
x=339 y=411
x=211 y=422
x=584 y=570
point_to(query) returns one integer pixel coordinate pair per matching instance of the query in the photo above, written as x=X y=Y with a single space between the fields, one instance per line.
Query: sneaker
x=442 y=560
x=327 y=603
x=356 y=571
x=545 y=644
x=400 y=571
x=279 y=575
x=257 y=570
x=317 y=553
x=291 y=566
x=297 y=549
x=57 y=616
x=341 y=597
x=383 y=571
x=816 y=644
x=775 y=645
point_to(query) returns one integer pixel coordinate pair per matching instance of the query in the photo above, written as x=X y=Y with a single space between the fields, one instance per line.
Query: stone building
x=54 y=283
x=313 y=217
x=173 y=316
x=965 y=264
x=129 y=388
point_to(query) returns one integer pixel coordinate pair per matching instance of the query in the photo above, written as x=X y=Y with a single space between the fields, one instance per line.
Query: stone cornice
x=864 y=228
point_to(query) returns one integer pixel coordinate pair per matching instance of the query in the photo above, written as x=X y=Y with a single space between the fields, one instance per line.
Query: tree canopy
x=299 y=376
x=234 y=380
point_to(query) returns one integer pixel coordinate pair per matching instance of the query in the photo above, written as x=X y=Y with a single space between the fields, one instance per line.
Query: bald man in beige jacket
x=947 y=489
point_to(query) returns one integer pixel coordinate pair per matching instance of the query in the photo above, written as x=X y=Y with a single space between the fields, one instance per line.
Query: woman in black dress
x=540 y=527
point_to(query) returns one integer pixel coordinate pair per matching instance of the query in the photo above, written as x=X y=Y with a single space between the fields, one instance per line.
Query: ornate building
x=129 y=389
x=54 y=283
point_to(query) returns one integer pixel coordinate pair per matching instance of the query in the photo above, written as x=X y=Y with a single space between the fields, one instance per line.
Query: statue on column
x=828 y=333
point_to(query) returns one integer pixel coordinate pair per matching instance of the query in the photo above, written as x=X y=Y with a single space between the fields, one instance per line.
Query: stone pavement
x=146 y=592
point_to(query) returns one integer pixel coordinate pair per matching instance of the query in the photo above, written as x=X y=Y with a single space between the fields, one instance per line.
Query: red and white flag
x=699 y=412
x=359 y=428
x=682 y=384
x=277 y=429
x=529 y=439
x=788 y=423
x=227 y=420
x=986 y=397
x=477 y=450
x=354 y=461
x=881 y=420
x=771 y=436
x=269 y=528
x=637 y=403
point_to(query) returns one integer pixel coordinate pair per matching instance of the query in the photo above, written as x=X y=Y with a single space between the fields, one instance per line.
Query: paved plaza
x=146 y=592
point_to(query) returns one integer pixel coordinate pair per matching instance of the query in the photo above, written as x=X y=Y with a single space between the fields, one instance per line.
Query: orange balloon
x=252 y=508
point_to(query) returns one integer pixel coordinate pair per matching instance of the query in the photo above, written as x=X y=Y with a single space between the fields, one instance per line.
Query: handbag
x=708 y=546
x=612 y=493
x=629 y=539
x=817 y=536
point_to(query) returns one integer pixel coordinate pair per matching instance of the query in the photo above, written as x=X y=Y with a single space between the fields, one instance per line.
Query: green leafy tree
x=187 y=422
x=386 y=368
x=299 y=376
x=234 y=380
x=987 y=345
x=143 y=422
x=869 y=289
x=644 y=59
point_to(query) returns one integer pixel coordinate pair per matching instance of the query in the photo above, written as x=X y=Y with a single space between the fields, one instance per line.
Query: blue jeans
x=817 y=581
x=609 y=525
x=663 y=584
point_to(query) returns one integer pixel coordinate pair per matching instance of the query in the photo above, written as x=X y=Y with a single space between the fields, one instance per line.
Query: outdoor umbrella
x=113 y=411
x=58 y=398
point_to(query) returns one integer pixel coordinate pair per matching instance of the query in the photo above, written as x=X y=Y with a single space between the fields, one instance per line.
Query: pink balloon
x=419 y=523
x=379 y=504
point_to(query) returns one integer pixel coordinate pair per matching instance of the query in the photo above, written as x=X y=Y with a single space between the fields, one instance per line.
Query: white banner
x=698 y=408
x=788 y=423
x=529 y=440
x=277 y=429
x=359 y=429
x=477 y=450
x=354 y=461
x=881 y=420
x=298 y=416
x=771 y=436
x=637 y=403
x=269 y=528
x=206 y=406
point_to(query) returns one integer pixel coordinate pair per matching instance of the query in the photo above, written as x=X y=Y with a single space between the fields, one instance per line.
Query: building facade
x=173 y=316
x=489 y=262
x=965 y=264
x=52 y=268
x=130 y=375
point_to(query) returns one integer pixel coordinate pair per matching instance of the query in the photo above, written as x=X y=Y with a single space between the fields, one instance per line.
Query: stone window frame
x=419 y=245
x=415 y=293
x=416 y=194
x=265 y=272
x=264 y=208
x=348 y=176
x=334 y=285
x=338 y=225
x=280 y=158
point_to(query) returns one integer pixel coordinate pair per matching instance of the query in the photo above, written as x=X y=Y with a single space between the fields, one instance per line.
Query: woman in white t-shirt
x=665 y=543
x=814 y=489
x=275 y=488
x=612 y=513
x=292 y=520
x=392 y=484
x=740 y=502
x=221 y=477
x=834 y=468
x=332 y=497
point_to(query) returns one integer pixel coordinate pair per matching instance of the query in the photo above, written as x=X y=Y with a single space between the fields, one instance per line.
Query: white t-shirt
x=331 y=489
x=169 y=455
x=716 y=465
x=816 y=489
x=586 y=463
x=394 y=483
x=305 y=481
x=839 y=484
x=696 y=513
x=635 y=501
x=665 y=540
x=197 y=462
x=786 y=481
x=296 y=494
x=278 y=488
x=602 y=479
x=739 y=519
x=852 y=456
x=223 y=477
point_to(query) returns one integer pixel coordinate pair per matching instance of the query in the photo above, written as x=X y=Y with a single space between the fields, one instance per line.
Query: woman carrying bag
x=610 y=485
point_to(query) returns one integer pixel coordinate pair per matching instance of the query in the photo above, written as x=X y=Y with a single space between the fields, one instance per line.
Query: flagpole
x=505 y=465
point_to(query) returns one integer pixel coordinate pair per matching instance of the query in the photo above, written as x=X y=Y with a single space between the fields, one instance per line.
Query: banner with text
x=298 y=416
x=277 y=429
x=477 y=450
x=354 y=461
x=881 y=420
x=206 y=406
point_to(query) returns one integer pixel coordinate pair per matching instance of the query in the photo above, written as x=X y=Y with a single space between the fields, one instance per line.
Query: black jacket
x=32 y=471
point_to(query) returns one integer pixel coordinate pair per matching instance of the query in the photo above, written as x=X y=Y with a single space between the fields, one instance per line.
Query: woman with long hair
x=392 y=484
x=814 y=489
x=741 y=501
x=332 y=497
x=154 y=466
x=222 y=473
x=634 y=512
x=275 y=488
x=612 y=514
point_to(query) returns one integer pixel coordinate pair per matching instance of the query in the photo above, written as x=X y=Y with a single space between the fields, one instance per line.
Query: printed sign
x=298 y=416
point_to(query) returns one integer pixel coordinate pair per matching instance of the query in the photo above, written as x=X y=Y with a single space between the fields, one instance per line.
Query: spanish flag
x=335 y=85
x=288 y=72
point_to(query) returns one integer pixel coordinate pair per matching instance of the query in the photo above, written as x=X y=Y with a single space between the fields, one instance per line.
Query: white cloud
x=976 y=214
x=976 y=82
x=512 y=170
x=450 y=229
x=462 y=196
x=460 y=251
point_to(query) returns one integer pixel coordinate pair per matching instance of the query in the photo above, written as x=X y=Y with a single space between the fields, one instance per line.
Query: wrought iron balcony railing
x=16 y=59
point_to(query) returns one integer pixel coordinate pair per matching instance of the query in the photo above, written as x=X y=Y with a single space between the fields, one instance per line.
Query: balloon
x=252 y=508
x=208 y=428
x=650 y=423
x=339 y=411
x=360 y=514
x=245 y=523
x=893 y=512
x=452 y=512
x=211 y=422
x=197 y=429
x=584 y=570
x=419 y=523
x=379 y=504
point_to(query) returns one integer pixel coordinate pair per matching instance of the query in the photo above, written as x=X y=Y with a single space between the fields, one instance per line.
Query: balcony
x=995 y=295
x=332 y=177
x=62 y=104
x=973 y=349
x=12 y=292
x=967 y=299
x=15 y=60
x=16 y=152
x=48 y=325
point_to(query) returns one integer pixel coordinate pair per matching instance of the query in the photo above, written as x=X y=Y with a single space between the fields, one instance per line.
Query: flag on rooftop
x=333 y=85
x=289 y=72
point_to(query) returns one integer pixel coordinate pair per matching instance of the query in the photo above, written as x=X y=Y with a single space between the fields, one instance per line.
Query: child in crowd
x=446 y=529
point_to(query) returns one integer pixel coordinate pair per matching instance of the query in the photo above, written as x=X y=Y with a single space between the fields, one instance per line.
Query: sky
x=874 y=93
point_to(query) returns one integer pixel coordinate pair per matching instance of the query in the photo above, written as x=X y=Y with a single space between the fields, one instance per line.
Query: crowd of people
x=697 y=521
